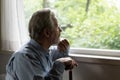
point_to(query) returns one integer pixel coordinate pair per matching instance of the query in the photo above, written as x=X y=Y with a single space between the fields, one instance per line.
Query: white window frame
x=95 y=53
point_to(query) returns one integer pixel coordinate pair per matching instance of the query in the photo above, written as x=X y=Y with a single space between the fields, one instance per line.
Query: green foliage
x=97 y=28
x=30 y=6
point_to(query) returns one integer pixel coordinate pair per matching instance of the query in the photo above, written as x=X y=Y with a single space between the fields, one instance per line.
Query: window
x=86 y=23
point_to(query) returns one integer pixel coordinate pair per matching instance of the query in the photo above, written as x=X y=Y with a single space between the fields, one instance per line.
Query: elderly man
x=37 y=60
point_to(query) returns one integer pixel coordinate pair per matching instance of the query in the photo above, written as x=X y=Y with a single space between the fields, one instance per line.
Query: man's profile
x=37 y=60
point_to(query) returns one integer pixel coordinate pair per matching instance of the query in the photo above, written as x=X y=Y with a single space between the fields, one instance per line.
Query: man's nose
x=60 y=29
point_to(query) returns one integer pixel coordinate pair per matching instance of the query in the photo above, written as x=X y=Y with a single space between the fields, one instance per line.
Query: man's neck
x=44 y=44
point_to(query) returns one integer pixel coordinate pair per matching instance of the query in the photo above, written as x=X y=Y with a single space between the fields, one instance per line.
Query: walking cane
x=70 y=75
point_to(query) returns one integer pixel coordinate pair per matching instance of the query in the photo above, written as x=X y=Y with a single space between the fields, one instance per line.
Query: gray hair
x=39 y=21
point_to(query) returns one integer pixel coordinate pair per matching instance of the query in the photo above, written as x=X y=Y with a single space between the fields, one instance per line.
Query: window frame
x=95 y=53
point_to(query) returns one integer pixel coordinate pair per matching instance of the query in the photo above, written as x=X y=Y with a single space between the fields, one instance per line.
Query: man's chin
x=56 y=43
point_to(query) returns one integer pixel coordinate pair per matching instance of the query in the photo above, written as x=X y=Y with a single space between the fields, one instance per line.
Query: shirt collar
x=39 y=47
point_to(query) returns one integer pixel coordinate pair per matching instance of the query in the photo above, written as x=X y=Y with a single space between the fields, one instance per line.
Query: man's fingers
x=63 y=45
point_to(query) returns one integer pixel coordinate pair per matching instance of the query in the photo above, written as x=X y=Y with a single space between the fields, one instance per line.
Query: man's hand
x=68 y=62
x=63 y=45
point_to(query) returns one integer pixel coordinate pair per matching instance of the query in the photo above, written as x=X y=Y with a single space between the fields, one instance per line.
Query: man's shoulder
x=27 y=52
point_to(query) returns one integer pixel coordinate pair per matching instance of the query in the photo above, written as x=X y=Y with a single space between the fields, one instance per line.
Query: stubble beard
x=55 y=41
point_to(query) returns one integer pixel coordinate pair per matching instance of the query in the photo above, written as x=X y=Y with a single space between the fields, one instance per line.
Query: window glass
x=30 y=6
x=86 y=23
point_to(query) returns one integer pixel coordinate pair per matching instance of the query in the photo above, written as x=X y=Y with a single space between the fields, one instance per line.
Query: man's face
x=55 y=36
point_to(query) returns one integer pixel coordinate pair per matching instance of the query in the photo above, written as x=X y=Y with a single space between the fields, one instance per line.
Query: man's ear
x=46 y=32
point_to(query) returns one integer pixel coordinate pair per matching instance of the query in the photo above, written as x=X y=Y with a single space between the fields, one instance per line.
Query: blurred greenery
x=30 y=6
x=97 y=28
